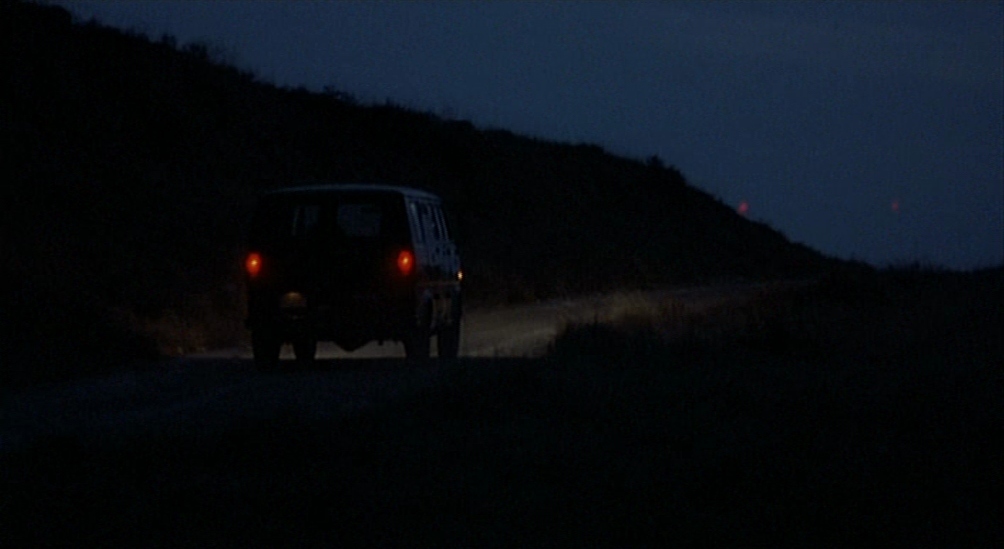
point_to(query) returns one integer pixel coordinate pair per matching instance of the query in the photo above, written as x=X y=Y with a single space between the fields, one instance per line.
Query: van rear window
x=360 y=220
x=327 y=218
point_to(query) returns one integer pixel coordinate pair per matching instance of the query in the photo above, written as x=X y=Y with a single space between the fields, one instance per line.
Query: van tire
x=417 y=345
x=305 y=350
x=265 y=347
x=448 y=341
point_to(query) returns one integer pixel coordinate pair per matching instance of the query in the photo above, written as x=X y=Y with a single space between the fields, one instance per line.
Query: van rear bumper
x=369 y=316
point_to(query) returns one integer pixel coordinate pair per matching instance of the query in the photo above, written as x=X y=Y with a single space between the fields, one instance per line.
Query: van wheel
x=305 y=350
x=448 y=341
x=416 y=345
x=265 y=347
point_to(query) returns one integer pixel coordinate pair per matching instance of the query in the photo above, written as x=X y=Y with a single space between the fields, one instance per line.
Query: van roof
x=355 y=187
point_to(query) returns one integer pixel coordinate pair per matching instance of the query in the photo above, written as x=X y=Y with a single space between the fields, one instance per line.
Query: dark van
x=351 y=264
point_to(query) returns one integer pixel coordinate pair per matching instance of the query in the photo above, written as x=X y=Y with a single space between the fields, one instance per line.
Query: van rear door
x=328 y=246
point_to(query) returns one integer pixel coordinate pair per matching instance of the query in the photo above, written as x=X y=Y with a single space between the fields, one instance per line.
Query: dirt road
x=212 y=390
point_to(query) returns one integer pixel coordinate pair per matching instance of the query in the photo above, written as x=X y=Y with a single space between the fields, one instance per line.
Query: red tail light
x=405 y=262
x=253 y=264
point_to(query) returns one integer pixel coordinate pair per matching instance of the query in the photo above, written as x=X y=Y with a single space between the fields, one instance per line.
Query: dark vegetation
x=852 y=412
x=130 y=167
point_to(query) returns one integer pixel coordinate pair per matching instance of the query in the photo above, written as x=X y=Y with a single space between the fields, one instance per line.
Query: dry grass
x=202 y=322
x=903 y=314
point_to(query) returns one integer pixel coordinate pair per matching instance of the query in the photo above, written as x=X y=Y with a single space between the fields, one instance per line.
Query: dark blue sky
x=821 y=115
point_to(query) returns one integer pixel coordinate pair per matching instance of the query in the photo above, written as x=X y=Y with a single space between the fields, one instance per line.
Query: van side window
x=304 y=220
x=441 y=224
x=428 y=222
x=415 y=221
x=437 y=213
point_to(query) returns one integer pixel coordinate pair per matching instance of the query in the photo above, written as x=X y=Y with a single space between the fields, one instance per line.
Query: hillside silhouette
x=131 y=166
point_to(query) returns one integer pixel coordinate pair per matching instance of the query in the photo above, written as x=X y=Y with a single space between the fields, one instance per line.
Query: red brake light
x=253 y=264
x=405 y=262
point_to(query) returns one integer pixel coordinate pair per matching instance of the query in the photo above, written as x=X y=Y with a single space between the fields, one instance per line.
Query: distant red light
x=253 y=264
x=744 y=208
x=405 y=262
x=895 y=205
